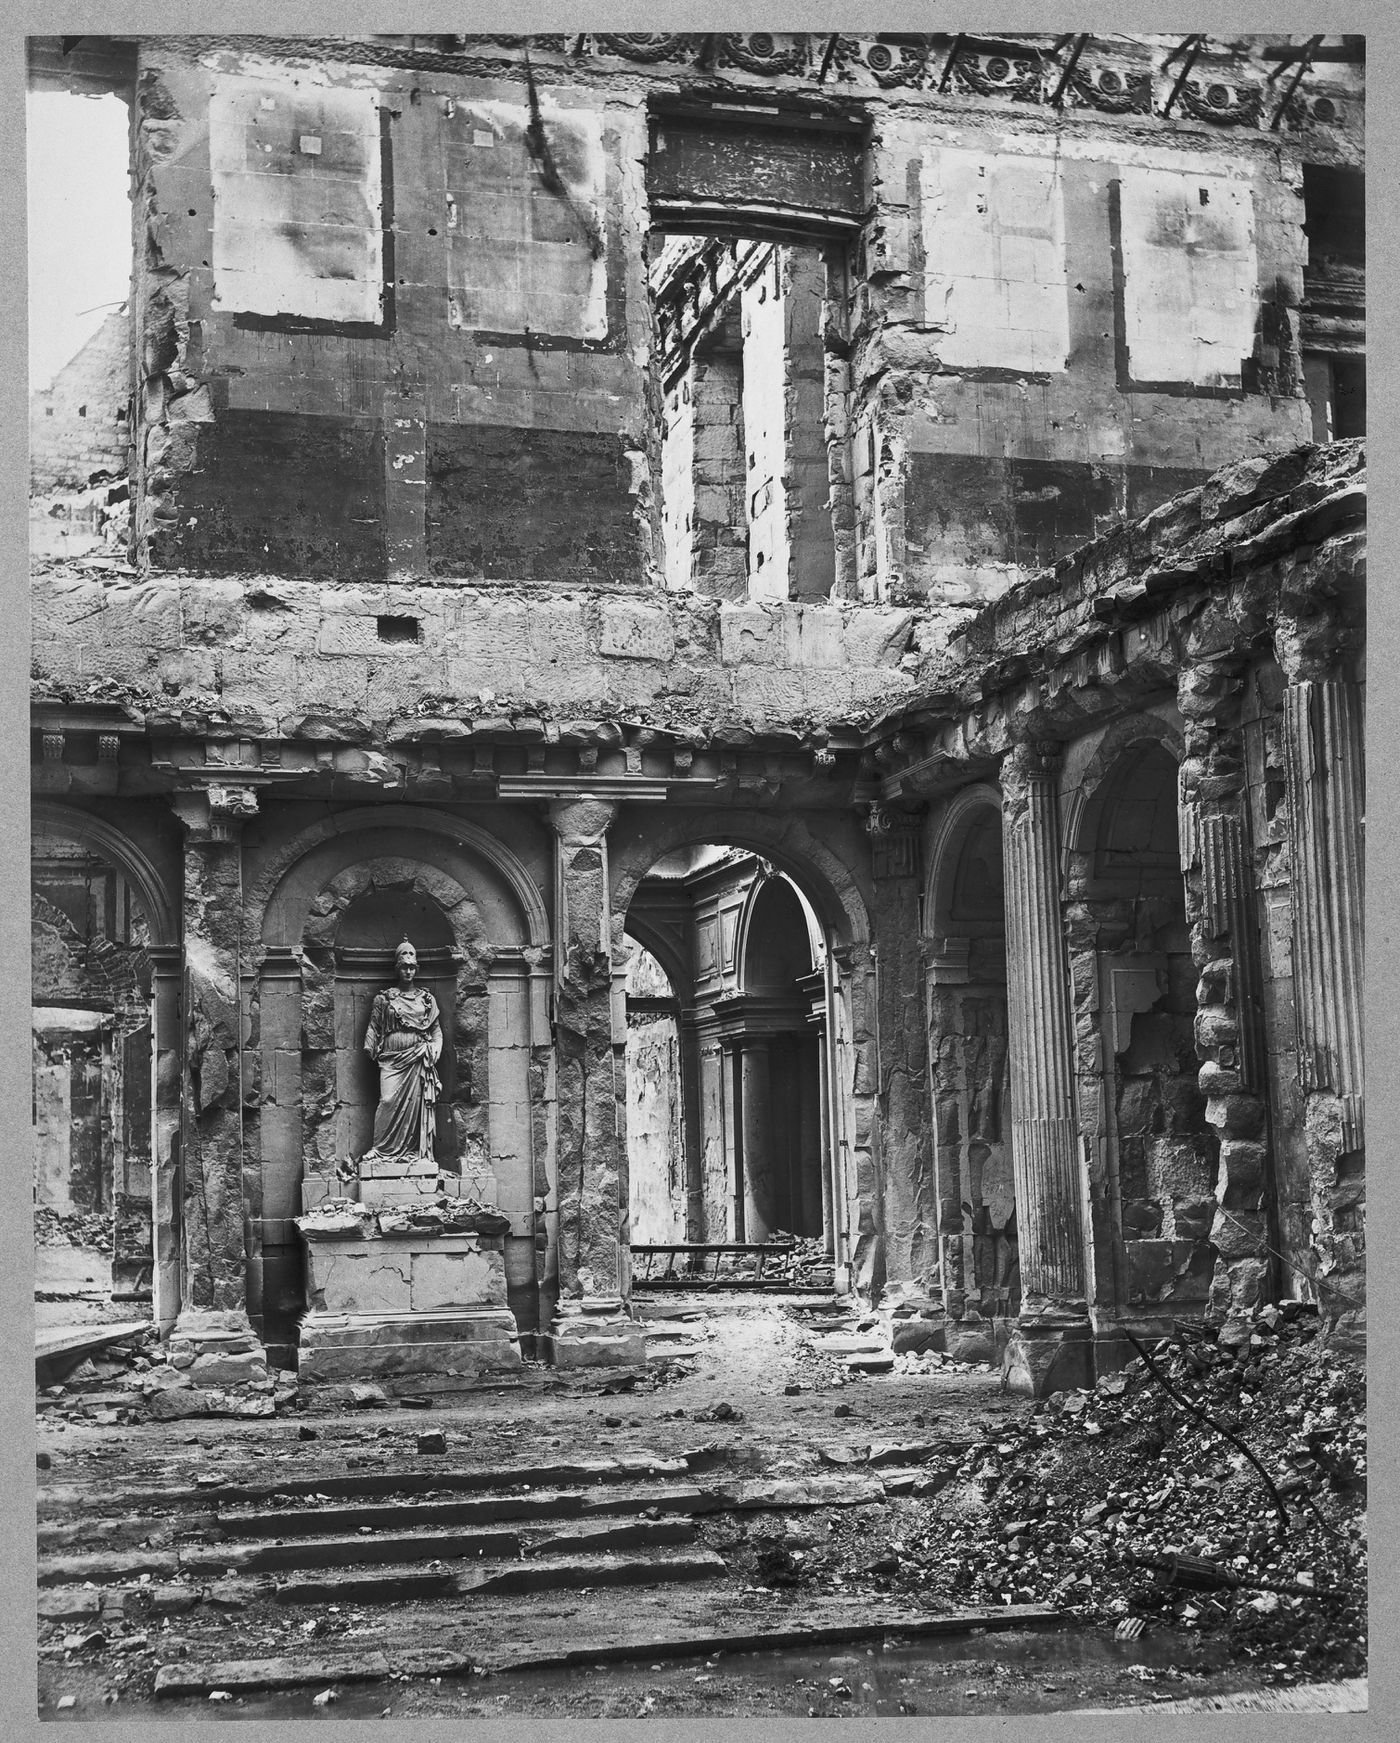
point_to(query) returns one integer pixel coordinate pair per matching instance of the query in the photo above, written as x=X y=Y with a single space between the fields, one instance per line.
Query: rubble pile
x=90 y=1229
x=936 y=1362
x=1118 y=1504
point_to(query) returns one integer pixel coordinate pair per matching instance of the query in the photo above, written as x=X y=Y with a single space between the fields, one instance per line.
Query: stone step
x=479 y=1510
x=366 y=1548
x=547 y=1574
x=537 y=1645
x=57 y=1499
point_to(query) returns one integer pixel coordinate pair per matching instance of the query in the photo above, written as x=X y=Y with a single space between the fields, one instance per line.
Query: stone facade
x=1043 y=708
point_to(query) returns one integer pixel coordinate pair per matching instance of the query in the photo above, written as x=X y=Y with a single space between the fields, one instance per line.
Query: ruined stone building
x=818 y=580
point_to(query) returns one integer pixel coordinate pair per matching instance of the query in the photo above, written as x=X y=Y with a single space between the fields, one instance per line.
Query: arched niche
x=965 y=948
x=780 y=958
x=330 y=904
x=779 y=942
x=1107 y=776
x=508 y=910
x=350 y=931
x=1134 y=984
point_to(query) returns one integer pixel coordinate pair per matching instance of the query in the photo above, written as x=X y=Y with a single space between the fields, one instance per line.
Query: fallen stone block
x=228 y=1370
x=916 y=1336
x=874 y=1362
x=172 y=1406
x=66 y=1606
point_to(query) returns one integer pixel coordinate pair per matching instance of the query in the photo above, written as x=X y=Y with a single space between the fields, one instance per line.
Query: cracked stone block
x=410 y=1274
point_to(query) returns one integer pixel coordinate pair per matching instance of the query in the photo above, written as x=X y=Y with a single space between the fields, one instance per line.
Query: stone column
x=213 y=1343
x=688 y=1036
x=165 y=1133
x=903 y=1135
x=1216 y=866
x=755 y=1102
x=732 y=1139
x=593 y=1326
x=1325 y=774
x=1049 y=1349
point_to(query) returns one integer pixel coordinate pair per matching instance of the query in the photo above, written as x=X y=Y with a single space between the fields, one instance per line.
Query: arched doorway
x=779 y=1024
x=103 y=1117
x=770 y=994
x=969 y=1070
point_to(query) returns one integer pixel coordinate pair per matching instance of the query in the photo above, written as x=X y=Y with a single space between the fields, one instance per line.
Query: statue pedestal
x=412 y=1311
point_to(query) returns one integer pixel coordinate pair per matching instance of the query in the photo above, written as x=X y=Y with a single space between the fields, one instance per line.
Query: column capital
x=1031 y=757
x=894 y=840
x=582 y=822
x=215 y=811
x=1318 y=645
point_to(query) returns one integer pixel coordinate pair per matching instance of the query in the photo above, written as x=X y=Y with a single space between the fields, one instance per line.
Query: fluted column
x=1326 y=802
x=1045 y=1151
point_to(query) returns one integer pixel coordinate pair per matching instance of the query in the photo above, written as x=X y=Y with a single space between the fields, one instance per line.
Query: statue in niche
x=404 y=1039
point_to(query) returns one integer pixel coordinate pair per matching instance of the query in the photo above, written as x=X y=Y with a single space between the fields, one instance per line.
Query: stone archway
x=104 y=975
x=839 y=897
x=965 y=950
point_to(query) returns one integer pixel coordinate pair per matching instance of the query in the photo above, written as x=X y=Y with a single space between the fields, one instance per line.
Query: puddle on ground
x=1001 y=1671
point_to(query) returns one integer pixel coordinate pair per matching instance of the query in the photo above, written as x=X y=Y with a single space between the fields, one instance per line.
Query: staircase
x=327 y=1575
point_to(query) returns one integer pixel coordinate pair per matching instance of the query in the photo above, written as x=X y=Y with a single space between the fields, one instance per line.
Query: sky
x=79 y=223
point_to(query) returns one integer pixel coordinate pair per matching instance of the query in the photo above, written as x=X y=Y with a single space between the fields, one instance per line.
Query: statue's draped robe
x=404 y=1038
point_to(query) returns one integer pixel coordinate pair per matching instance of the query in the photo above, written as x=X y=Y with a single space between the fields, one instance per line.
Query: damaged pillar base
x=1049 y=1352
x=595 y=1332
x=215 y=1367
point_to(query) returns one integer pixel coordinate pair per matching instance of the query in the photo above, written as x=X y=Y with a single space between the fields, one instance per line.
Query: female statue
x=404 y=1038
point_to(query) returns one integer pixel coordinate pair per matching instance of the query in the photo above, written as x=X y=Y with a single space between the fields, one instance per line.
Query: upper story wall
x=395 y=319
x=383 y=337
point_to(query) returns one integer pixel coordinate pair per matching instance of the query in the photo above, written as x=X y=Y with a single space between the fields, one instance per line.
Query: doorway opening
x=729 y=1081
x=754 y=487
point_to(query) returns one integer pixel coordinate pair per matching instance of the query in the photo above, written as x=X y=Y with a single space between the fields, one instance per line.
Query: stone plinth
x=421 y=1306
x=409 y=1352
x=1052 y=1352
x=595 y=1334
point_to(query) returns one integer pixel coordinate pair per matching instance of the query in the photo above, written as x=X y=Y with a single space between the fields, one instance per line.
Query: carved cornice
x=1118 y=76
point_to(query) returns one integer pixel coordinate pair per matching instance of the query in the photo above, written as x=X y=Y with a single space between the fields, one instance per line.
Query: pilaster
x=1216 y=864
x=592 y=1327
x=213 y=1345
x=903 y=1129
